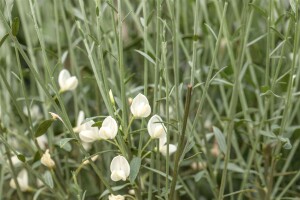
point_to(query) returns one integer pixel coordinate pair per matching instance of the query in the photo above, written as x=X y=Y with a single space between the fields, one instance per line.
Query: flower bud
x=109 y=128
x=111 y=97
x=66 y=81
x=46 y=160
x=140 y=107
x=119 y=168
x=92 y=158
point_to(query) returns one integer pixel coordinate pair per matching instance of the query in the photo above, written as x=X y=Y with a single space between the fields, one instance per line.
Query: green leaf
x=15 y=26
x=146 y=56
x=97 y=124
x=48 y=179
x=220 y=139
x=135 y=165
x=64 y=141
x=259 y=9
x=37 y=156
x=21 y=157
x=3 y=39
x=43 y=127
x=199 y=176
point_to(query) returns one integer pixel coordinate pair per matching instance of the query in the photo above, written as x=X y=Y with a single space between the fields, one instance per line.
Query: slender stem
x=182 y=142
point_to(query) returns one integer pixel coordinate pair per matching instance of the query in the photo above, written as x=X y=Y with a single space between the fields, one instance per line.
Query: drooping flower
x=116 y=197
x=89 y=133
x=109 y=128
x=156 y=128
x=119 y=168
x=140 y=107
x=79 y=125
x=163 y=147
x=66 y=81
x=22 y=179
x=47 y=160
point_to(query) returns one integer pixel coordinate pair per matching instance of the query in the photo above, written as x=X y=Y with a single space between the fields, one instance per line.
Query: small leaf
x=146 y=56
x=48 y=179
x=21 y=157
x=3 y=39
x=15 y=26
x=135 y=165
x=199 y=176
x=97 y=11
x=64 y=141
x=220 y=139
x=97 y=124
x=43 y=127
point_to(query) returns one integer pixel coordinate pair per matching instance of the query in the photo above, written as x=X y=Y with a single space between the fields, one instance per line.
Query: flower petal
x=62 y=77
x=120 y=163
x=140 y=106
x=156 y=128
x=88 y=136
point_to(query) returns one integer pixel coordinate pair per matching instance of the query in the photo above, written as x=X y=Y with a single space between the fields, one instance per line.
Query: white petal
x=62 y=77
x=88 y=136
x=140 y=106
x=156 y=128
x=42 y=141
x=172 y=149
x=22 y=180
x=120 y=163
x=80 y=118
x=109 y=128
x=117 y=197
x=118 y=175
x=162 y=141
x=71 y=83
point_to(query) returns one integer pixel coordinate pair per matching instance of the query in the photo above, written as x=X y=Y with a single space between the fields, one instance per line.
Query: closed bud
x=140 y=107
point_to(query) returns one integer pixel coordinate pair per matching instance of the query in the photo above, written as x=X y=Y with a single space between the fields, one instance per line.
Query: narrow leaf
x=3 y=39
x=220 y=139
x=21 y=158
x=146 y=56
x=15 y=26
x=135 y=165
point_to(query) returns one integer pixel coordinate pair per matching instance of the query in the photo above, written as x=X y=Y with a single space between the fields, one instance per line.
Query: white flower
x=117 y=197
x=35 y=112
x=119 y=168
x=163 y=147
x=140 y=107
x=22 y=180
x=79 y=125
x=156 y=128
x=89 y=133
x=109 y=128
x=47 y=160
x=66 y=81
x=15 y=161
x=42 y=141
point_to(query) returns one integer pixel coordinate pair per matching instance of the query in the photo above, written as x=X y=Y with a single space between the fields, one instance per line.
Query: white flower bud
x=109 y=128
x=156 y=128
x=22 y=179
x=119 y=168
x=46 y=160
x=66 y=81
x=140 y=107
x=111 y=97
x=116 y=197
